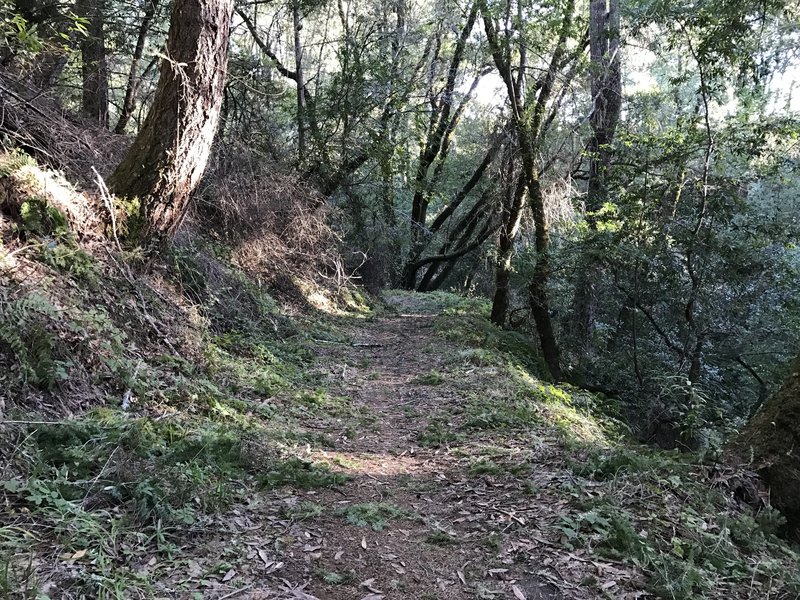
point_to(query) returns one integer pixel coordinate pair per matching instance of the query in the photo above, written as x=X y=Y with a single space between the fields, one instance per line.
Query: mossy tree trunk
x=771 y=440
x=169 y=154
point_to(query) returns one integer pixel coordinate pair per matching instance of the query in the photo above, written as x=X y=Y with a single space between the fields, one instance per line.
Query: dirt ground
x=455 y=530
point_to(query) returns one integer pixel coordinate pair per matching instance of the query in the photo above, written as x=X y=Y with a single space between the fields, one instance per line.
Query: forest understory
x=178 y=433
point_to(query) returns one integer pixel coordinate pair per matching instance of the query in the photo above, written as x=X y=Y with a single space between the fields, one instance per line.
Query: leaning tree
x=169 y=154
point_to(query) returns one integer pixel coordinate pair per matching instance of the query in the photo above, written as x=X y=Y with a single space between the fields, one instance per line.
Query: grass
x=433 y=377
x=336 y=578
x=438 y=433
x=441 y=539
x=304 y=511
x=301 y=474
x=376 y=515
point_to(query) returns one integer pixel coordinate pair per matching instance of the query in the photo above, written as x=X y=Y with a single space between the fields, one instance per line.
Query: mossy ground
x=408 y=452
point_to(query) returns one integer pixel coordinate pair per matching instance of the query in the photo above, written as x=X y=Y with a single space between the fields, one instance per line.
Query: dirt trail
x=472 y=518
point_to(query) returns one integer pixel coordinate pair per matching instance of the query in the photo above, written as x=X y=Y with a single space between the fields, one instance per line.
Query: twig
x=237 y=592
x=126 y=397
x=108 y=200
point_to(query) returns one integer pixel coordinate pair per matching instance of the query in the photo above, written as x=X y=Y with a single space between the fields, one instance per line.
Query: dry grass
x=276 y=225
x=36 y=123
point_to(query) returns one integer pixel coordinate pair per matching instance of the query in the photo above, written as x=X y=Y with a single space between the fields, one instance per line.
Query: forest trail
x=426 y=512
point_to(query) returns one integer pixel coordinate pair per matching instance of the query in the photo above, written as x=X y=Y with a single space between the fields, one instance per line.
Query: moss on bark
x=771 y=441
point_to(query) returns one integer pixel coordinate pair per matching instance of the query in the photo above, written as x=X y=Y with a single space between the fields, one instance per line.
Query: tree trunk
x=540 y=307
x=512 y=218
x=770 y=441
x=134 y=79
x=169 y=155
x=606 y=88
x=606 y=95
x=94 y=64
x=442 y=123
x=301 y=85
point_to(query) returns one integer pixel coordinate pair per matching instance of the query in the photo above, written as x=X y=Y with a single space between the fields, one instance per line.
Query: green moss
x=441 y=539
x=39 y=217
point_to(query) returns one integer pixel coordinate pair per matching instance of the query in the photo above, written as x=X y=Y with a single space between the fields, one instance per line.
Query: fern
x=25 y=334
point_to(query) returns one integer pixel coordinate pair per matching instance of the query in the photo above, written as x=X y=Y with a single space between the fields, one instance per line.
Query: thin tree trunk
x=606 y=88
x=540 y=307
x=169 y=155
x=129 y=102
x=301 y=85
x=440 y=128
x=94 y=64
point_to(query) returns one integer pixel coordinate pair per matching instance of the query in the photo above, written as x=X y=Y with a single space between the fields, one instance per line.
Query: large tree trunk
x=169 y=155
x=94 y=64
x=771 y=441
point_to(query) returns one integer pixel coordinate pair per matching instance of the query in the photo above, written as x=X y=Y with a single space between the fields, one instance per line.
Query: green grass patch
x=334 y=577
x=432 y=377
x=438 y=433
x=299 y=473
x=304 y=511
x=376 y=515
x=441 y=539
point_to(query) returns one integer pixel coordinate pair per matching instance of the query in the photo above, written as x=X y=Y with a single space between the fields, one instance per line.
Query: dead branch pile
x=34 y=122
x=276 y=225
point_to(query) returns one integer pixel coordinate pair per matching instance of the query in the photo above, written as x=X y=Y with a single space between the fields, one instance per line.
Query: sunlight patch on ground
x=371 y=465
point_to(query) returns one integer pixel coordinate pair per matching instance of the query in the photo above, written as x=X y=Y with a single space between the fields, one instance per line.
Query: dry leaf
x=262 y=554
x=368 y=584
x=518 y=593
x=229 y=575
x=338 y=555
x=608 y=585
x=461 y=577
x=364 y=543
x=78 y=555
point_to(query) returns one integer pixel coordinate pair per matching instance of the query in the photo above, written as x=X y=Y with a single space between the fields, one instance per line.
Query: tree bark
x=301 y=84
x=169 y=155
x=770 y=442
x=134 y=78
x=606 y=88
x=94 y=63
x=512 y=218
